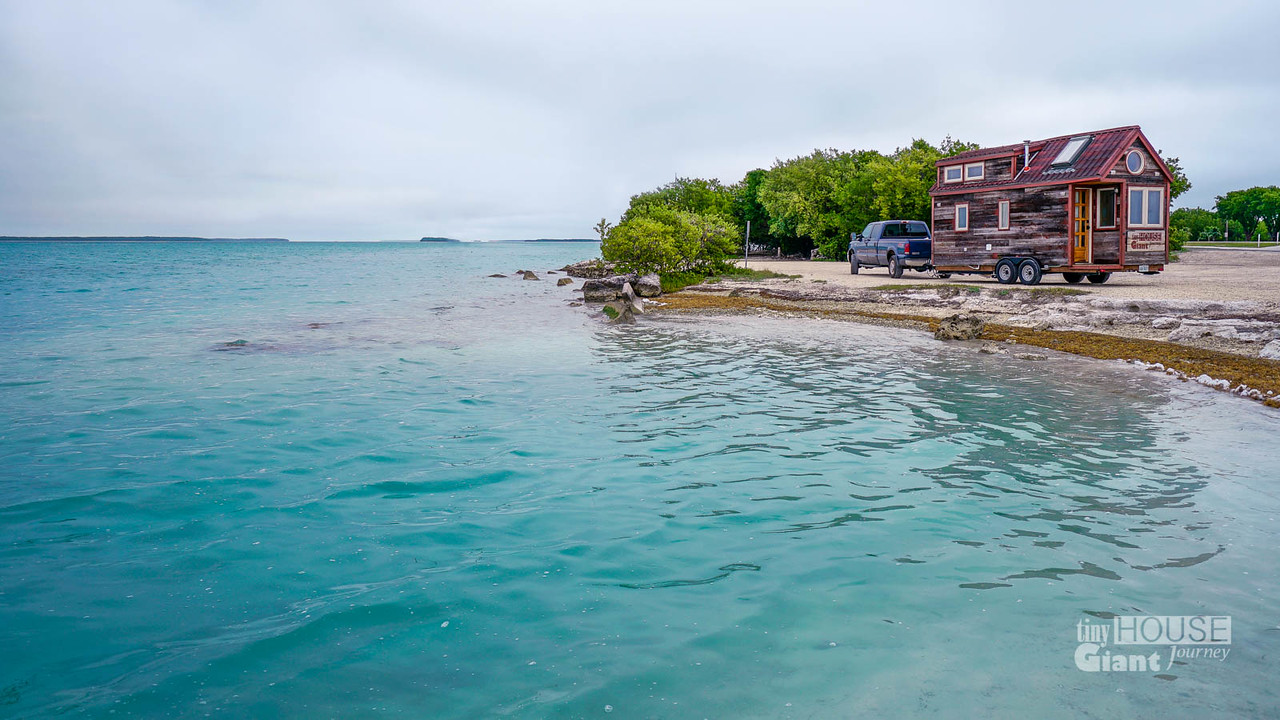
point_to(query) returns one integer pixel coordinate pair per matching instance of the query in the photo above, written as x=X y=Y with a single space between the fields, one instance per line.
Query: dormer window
x=973 y=171
x=1071 y=151
x=953 y=174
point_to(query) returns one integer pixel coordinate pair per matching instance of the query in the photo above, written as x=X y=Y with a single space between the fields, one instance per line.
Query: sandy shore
x=1213 y=317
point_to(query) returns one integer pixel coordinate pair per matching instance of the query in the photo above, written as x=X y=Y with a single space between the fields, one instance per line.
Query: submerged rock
x=649 y=285
x=530 y=275
x=233 y=345
x=959 y=327
x=564 y=281
x=498 y=275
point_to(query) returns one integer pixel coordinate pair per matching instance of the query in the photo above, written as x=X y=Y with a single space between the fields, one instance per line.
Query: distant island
x=139 y=238
x=439 y=240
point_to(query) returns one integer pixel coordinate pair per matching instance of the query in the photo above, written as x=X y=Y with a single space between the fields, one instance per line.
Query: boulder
x=497 y=275
x=529 y=275
x=589 y=269
x=605 y=289
x=649 y=285
x=959 y=327
x=564 y=281
x=1270 y=351
x=632 y=301
x=619 y=312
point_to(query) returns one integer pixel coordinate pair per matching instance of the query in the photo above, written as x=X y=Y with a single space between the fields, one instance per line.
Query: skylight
x=1071 y=151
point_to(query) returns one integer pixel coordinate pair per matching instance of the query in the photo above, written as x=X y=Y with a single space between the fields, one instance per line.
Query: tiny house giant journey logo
x=1118 y=645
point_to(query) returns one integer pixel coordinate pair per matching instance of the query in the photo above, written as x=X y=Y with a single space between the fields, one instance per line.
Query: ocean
x=369 y=480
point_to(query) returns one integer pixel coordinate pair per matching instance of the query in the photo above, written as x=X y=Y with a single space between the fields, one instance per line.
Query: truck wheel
x=943 y=276
x=1073 y=278
x=1099 y=278
x=1029 y=272
x=895 y=267
x=1006 y=272
x=853 y=265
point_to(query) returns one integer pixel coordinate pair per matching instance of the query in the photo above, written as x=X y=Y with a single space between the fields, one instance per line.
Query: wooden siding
x=1106 y=247
x=1037 y=227
x=998 y=169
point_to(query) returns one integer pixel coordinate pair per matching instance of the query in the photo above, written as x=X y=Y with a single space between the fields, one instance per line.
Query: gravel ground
x=1211 y=275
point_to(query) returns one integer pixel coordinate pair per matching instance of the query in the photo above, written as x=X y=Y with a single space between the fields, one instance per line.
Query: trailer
x=1085 y=206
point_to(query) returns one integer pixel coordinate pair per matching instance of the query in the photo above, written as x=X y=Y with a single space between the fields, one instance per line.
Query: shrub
x=663 y=240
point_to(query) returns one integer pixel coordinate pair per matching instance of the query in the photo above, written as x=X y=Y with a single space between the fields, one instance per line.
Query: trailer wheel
x=853 y=264
x=1006 y=272
x=1073 y=278
x=1099 y=278
x=943 y=276
x=895 y=267
x=1029 y=272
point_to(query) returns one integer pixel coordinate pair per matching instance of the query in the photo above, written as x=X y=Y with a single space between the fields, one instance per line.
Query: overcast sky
x=319 y=120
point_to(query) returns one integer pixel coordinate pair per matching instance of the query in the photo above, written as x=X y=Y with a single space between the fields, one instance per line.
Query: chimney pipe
x=1026 y=153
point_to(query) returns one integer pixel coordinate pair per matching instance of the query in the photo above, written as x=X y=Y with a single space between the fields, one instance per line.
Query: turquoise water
x=420 y=491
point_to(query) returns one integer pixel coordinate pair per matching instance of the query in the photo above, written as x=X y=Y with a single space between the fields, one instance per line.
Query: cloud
x=326 y=120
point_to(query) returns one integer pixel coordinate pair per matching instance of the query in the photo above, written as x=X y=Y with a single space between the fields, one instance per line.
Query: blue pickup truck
x=894 y=244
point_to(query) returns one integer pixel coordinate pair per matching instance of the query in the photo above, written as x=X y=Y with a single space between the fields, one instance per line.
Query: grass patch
x=1232 y=244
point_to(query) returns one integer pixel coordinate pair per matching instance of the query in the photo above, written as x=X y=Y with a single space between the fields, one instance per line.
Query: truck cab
x=893 y=244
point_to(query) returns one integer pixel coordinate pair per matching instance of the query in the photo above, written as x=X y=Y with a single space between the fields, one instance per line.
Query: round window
x=1134 y=162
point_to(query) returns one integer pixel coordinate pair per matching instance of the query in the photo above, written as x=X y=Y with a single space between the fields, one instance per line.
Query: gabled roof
x=1092 y=164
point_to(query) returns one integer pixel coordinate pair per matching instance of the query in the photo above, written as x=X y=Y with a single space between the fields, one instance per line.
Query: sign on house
x=1145 y=241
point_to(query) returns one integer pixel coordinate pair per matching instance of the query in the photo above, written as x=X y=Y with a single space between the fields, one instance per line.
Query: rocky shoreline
x=1224 y=345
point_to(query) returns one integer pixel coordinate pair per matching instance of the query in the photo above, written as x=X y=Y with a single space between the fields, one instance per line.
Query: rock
x=529 y=275
x=233 y=345
x=1271 y=351
x=1165 y=323
x=564 y=281
x=993 y=349
x=605 y=289
x=631 y=300
x=619 y=312
x=575 y=303
x=1031 y=356
x=959 y=327
x=649 y=285
x=589 y=269
x=551 y=272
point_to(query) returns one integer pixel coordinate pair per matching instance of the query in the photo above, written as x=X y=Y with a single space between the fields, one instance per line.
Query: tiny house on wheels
x=1084 y=205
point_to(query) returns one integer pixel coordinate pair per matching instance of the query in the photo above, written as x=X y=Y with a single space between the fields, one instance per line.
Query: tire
x=943 y=276
x=1029 y=272
x=1006 y=272
x=1099 y=278
x=853 y=264
x=895 y=267
x=1073 y=278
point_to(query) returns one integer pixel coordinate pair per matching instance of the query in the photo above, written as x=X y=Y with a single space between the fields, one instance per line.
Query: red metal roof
x=1093 y=163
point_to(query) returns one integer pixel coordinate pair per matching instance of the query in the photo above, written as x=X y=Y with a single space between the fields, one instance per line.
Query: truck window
x=914 y=229
x=866 y=231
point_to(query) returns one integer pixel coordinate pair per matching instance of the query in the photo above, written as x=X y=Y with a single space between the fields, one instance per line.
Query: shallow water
x=418 y=490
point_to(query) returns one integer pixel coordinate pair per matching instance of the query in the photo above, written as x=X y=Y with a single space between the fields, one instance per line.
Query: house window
x=1071 y=151
x=1133 y=162
x=962 y=217
x=952 y=174
x=973 y=171
x=1106 y=208
x=1146 y=207
x=1003 y=215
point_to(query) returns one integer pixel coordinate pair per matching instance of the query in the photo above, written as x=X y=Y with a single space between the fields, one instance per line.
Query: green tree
x=900 y=182
x=602 y=228
x=748 y=208
x=1196 y=221
x=1261 y=232
x=688 y=194
x=1249 y=206
x=664 y=240
x=819 y=197
x=1178 y=238
x=1180 y=183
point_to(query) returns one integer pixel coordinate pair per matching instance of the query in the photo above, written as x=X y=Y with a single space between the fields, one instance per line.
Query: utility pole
x=746 y=245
